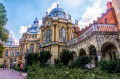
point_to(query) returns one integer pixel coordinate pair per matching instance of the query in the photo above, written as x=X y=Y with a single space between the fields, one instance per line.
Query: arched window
x=106 y=20
x=48 y=36
x=16 y=53
x=13 y=51
x=72 y=35
x=15 y=60
x=32 y=48
x=62 y=35
x=6 y=52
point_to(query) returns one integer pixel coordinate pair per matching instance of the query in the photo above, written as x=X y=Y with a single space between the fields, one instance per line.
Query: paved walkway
x=8 y=74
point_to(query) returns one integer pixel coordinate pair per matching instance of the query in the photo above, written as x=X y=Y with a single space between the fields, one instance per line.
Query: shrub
x=32 y=58
x=51 y=72
x=111 y=65
x=1 y=66
x=65 y=57
x=44 y=56
x=81 y=62
x=57 y=61
x=23 y=70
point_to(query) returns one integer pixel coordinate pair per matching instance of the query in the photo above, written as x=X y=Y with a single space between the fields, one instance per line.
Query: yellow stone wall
x=116 y=4
x=9 y=57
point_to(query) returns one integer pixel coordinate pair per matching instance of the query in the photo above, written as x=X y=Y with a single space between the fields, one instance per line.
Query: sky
x=22 y=13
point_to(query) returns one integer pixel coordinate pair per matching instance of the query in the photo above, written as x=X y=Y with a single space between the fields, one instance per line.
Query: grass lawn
x=50 y=72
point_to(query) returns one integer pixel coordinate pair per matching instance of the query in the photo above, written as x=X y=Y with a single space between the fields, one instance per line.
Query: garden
x=67 y=68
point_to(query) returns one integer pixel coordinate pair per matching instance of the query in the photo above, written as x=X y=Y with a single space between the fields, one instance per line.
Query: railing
x=94 y=27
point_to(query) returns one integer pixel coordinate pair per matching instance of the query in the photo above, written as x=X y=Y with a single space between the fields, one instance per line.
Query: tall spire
x=57 y=3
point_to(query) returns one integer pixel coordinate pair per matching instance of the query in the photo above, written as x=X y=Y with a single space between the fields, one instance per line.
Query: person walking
x=21 y=67
x=12 y=67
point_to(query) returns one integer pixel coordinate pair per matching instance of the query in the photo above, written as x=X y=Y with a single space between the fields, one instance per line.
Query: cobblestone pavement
x=8 y=74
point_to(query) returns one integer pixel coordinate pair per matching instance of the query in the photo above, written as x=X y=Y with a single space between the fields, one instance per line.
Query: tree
x=65 y=57
x=3 y=21
x=32 y=59
x=1 y=50
x=44 y=56
x=3 y=31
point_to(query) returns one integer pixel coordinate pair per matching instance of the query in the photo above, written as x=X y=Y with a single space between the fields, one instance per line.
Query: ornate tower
x=116 y=4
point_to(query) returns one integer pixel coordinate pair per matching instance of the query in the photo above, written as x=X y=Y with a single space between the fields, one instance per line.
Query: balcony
x=93 y=28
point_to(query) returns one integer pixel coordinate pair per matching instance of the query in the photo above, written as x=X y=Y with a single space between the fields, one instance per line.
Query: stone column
x=99 y=55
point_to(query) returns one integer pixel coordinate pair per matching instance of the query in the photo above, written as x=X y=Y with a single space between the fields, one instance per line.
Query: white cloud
x=73 y=3
x=23 y=29
x=90 y=14
x=12 y=33
x=54 y=5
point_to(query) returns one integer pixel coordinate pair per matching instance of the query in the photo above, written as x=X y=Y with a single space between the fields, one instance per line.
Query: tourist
x=12 y=67
x=21 y=67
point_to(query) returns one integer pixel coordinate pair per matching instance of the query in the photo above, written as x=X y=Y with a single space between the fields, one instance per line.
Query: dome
x=10 y=41
x=34 y=28
x=58 y=12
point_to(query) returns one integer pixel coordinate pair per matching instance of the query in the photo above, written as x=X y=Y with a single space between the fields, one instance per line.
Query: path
x=8 y=74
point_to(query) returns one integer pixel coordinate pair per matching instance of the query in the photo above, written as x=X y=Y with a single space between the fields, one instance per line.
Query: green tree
x=32 y=59
x=1 y=50
x=3 y=31
x=44 y=56
x=65 y=57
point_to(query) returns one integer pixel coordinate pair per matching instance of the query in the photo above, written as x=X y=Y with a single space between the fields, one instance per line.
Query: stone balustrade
x=93 y=28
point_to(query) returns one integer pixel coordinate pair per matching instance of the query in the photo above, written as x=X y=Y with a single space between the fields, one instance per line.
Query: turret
x=109 y=5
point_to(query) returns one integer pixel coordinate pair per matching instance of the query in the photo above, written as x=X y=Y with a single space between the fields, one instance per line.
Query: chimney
x=98 y=18
x=109 y=5
x=102 y=14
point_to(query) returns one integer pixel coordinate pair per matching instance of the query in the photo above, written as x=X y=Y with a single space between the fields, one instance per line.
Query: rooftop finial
x=57 y=3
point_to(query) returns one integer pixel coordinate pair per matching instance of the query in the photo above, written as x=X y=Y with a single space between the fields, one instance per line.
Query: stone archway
x=74 y=55
x=82 y=52
x=93 y=54
x=109 y=50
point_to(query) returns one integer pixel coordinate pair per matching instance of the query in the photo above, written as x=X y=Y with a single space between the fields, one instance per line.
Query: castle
x=57 y=32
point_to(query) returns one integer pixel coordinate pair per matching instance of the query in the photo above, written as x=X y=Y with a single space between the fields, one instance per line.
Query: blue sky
x=21 y=13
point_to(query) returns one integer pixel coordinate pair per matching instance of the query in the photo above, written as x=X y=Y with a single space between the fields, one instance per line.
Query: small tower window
x=48 y=36
x=29 y=36
x=106 y=20
x=62 y=35
x=31 y=48
x=32 y=36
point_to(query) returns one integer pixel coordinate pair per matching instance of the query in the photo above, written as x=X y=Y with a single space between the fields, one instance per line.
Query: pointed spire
x=36 y=20
x=57 y=3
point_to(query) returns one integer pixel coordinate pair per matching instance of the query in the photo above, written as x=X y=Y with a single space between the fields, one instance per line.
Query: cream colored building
x=53 y=34
x=57 y=32
x=11 y=53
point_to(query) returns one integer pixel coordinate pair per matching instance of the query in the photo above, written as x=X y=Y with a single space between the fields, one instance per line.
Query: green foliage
x=3 y=20
x=51 y=72
x=32 y=59
x=23 y=70
x=81 y=62
x=111 y=65
x=1 y=66
x=65 y=57
x=44 y=56
x=1 y=50
x=56 y=61
x=3 y=31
